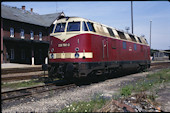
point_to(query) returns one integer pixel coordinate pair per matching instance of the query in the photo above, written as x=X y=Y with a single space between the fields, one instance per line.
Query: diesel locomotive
x=80 y=47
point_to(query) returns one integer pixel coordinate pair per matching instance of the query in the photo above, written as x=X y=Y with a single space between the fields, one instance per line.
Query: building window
x=11 y=32
x=32 y=35
x=22 y=54
x=40 y=35
x=12 y=54
x=22 y=33
x=135 y=47
x=124 y=45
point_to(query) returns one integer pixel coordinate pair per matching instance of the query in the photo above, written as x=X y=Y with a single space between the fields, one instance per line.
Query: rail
x=19 y=93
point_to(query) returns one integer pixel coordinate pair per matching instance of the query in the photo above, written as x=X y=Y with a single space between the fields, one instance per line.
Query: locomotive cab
x=70 y=47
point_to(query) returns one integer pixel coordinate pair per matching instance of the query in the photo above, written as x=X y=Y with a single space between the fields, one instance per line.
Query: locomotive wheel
x=51 y=73
x=69 y=72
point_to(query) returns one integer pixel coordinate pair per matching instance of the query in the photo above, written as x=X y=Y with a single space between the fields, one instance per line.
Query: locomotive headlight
x=52 y=55
x=52 y=49
x=76 y=55
x=76 y=49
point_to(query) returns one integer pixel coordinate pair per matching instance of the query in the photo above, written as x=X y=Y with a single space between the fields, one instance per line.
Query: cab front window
x=60 y=27
x=73 y=26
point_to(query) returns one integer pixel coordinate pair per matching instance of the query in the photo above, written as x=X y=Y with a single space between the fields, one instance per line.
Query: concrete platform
x=15 y=65
x=160 y=61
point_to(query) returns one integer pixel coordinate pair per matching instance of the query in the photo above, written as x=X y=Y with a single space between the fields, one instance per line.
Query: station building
x=25 y=35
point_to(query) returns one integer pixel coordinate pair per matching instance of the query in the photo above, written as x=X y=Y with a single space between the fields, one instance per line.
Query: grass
x=20 y=84
x=151 y=80
x=86 y=106
x=145 y=84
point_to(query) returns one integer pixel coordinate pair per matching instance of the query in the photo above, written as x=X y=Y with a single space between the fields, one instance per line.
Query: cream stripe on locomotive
x=70 y=55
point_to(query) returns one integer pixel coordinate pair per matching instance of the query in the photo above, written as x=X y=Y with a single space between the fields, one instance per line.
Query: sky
x=116 y=14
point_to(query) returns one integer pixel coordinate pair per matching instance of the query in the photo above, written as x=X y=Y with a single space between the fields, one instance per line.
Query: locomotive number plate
x=64 y=45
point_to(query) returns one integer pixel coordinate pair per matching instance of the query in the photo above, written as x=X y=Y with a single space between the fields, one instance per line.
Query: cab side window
x=84 y=27
x=90 y=25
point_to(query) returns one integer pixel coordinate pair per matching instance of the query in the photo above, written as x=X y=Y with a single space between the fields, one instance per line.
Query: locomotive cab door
x=105 y=49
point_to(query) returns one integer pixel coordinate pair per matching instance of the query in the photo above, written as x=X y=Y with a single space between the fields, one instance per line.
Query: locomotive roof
x=20 y=15
x=142 y=39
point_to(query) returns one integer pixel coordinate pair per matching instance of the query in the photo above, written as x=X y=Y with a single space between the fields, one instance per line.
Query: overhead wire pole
x=150 y=32
x=132 y=15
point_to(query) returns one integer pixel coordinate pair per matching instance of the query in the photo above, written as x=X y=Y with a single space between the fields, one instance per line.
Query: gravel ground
x=84 y=92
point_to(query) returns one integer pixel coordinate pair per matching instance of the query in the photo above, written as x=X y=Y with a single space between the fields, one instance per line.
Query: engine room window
x=110 y=32
x=135 y=47
x=60 y=27
x=133 y=38
x=146 y=41
x=90 y=25
x=124 y=45
x=139 y=40
x=84 y=27
x=121 y=35
x=73 y=26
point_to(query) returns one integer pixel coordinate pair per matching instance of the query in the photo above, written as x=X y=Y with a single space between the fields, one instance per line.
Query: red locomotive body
x=80 y=47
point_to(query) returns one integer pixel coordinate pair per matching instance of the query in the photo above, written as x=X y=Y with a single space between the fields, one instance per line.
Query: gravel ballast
x=82 y=93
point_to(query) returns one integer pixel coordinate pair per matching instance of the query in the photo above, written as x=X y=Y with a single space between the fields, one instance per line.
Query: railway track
x=20 y=70
x=8 y=95
x=32 y=76
x=23 y=77
x=159 y=65
x=27 y=92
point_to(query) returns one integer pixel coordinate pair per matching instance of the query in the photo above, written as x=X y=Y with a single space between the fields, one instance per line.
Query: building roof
x=25 y=16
